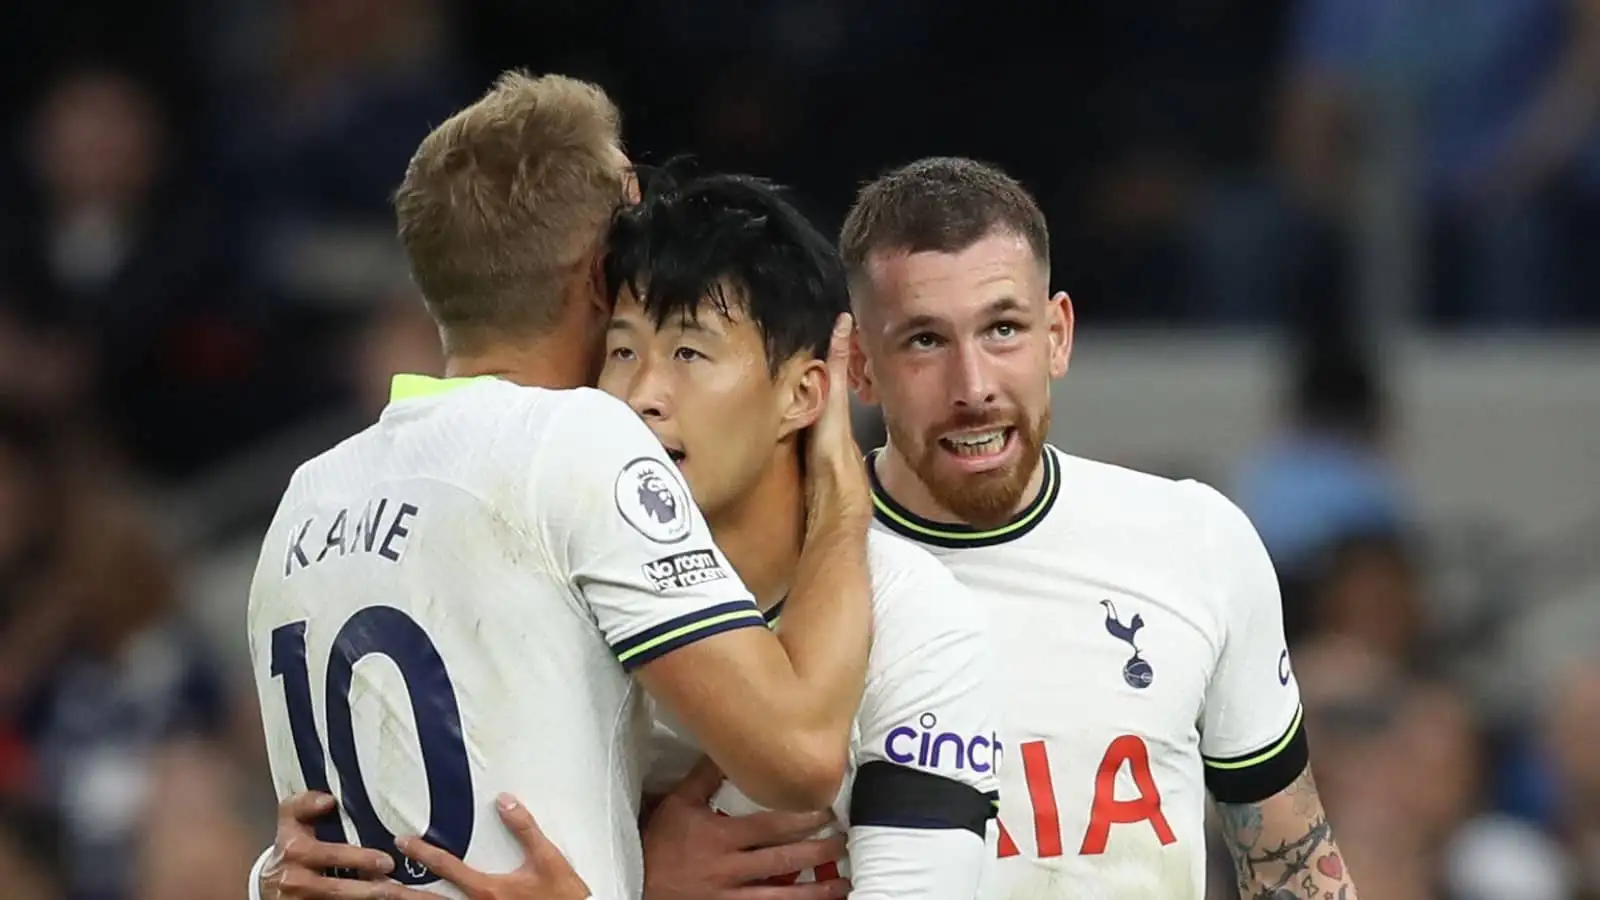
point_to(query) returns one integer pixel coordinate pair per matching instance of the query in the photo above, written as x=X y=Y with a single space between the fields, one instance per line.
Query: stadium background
x=1336 y=256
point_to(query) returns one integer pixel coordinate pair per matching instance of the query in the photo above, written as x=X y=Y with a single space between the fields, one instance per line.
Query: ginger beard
x=984 y=499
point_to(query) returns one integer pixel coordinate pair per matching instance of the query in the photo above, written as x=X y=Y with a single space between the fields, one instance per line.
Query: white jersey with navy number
x=447 y=606
x=918 y=806
x=1141 y=660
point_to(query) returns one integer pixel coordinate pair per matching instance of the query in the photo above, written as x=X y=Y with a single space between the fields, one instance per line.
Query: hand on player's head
x=692 y=852
x=836 y=480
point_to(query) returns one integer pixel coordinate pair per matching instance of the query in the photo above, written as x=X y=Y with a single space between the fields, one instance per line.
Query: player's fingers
x=305 y=807
x=771 y=862
x=308 y=852
x=442 y=864
x=541 y=853
x=824 y=890
x=305 y=884
x=839 y=361
x=701 y=782
x=765 y=829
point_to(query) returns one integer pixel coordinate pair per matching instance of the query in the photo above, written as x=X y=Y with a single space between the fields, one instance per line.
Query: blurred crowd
x=199 y=285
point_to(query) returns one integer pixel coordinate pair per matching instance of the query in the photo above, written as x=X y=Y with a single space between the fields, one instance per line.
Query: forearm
x=826 y=628
x=775 y=713
x=1283 y=846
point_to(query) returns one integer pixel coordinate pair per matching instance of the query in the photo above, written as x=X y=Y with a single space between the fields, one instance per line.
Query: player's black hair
x=691 y=234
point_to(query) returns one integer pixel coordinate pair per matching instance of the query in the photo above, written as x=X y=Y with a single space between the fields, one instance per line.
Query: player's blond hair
x=502 y=202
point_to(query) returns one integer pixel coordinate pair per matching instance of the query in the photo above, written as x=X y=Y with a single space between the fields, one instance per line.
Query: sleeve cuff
x=675 y=634
x=1253 y=777
x=255 y=874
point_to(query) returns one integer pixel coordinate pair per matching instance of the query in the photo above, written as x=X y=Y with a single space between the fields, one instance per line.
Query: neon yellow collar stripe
x=955 y=536
x=409 y=387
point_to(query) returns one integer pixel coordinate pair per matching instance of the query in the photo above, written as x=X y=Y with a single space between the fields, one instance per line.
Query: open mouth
x=978 y=444
x=677 y=456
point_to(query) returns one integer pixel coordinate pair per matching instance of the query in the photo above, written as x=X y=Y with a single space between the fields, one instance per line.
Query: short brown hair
x=942 y=204
x=504 y=198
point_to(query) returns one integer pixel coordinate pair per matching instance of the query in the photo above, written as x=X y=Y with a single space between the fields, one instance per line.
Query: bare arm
x=1283 y=847
x=777 y=719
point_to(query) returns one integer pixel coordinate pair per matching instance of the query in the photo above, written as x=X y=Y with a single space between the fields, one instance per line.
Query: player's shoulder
x=914 y=595
x=1106 y=489
x=898 y=565
x=541 y=412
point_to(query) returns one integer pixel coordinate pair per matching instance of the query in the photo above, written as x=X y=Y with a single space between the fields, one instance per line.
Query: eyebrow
x=618 y=323
x=926 y=321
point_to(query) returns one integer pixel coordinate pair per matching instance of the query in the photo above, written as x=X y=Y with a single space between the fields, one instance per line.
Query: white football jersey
x=918 y=804
x=1141 y=661
x=449 y=602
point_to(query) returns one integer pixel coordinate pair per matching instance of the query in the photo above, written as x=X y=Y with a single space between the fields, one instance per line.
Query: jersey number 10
x=387 y=631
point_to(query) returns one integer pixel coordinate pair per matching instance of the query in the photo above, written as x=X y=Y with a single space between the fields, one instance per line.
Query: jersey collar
x=405 y=386
x=906 y=523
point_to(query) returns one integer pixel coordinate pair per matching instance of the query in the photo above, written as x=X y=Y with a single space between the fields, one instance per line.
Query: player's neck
x=901 y=482
x=763 y=532
x=544 y=363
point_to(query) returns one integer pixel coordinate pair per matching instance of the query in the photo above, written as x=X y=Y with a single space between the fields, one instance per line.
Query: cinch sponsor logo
x=682 y=570
x=924 y=746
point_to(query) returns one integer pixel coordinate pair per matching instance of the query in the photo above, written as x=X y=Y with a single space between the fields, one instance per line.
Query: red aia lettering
x=1107 y=809
x=1042 y=797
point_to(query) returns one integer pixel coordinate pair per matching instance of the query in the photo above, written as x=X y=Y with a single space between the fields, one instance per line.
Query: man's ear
x=861 y=376
x=1061 y=327
x=804 y=390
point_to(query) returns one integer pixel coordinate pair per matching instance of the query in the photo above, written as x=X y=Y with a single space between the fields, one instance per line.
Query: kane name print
x=681 y=570
x=380 y=528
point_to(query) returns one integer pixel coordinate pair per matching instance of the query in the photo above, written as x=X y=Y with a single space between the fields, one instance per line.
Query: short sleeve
x=617 y=517
x=925 y=788
x=1252 y=735
x=928 y=716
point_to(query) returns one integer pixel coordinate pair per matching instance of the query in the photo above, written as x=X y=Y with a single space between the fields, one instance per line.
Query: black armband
x=899 y=797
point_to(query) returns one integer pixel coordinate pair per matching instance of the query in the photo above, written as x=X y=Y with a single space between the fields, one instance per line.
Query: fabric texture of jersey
x=447 y=605
x=922 y=745
x=1141 y=661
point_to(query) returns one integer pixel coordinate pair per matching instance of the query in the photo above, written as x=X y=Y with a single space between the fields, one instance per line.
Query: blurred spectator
x=43 y=367
x=401 y=337
x=1325 y=477
x=192 y=842
x=121 y=249
x=1503 y=97
x=1367 y=590
x=128 y=683
x=1572 y=735
x=318 y=133
x=27 y=854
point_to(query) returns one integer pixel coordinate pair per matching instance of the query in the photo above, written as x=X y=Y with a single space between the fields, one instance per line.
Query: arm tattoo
x=1282 y=847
